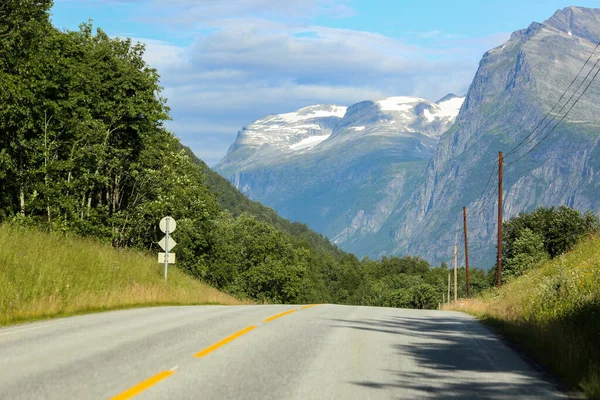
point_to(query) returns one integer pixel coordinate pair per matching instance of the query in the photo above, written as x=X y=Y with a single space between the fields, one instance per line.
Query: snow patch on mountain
x=308 y=143
x=451 y=107
x=293 y=131
x=399 y=103
x=410 y=107
x=309 y=113
x=447 y=109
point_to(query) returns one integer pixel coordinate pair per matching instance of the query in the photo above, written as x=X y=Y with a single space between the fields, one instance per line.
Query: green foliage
x=251 y=258
x=528 y=252
x=407 y=282
x=531 y=238
x=560 y=228
x=424 y=296
x=237 y=203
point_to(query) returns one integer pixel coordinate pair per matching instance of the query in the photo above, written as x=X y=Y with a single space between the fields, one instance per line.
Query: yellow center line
x=140 y=387
x=224 y=341
x=279 y=315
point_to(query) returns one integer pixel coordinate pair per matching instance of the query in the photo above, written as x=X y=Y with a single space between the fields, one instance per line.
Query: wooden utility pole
x=455 y=274
x=467 y=254
x=448 y=288
x=499 y=258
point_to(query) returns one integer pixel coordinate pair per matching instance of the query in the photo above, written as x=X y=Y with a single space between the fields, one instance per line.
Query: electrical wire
x=563 y=107
x=478 y=202
x=558 y=101
x=562 y=119
x=485 y=205
x=482 y=206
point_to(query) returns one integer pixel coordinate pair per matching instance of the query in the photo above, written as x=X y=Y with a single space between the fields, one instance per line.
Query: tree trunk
x=82 y=206
x=22 y=200
x=46 y=124
x=115 y=194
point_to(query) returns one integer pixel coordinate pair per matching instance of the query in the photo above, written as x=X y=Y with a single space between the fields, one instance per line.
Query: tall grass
x=554 y=313
x=44 y=275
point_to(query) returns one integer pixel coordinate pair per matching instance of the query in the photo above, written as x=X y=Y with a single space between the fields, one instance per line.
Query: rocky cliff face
x=515 y=86
x=342 y=171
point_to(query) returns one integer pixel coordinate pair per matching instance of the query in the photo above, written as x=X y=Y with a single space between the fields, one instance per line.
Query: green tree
x=560 y=228
x=528 y=252
x=424 y=296
x=251 y=258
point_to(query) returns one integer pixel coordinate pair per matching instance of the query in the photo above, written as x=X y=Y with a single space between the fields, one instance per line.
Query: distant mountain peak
x=310 y=112
x=399 y=103
x=577 y=21
x=447 y=97
x=325 y=128
x=446 y=108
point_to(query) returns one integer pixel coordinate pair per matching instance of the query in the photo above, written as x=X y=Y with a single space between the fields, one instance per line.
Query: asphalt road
x=320 y=352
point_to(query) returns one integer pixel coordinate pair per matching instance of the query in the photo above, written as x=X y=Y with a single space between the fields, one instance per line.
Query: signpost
x=167 y=225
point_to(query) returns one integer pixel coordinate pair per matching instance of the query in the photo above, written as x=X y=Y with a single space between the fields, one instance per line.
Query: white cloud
x=250 y=58
x=160 y=54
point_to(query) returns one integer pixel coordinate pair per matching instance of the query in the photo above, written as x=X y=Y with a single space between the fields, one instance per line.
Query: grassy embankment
x=44 y=276
x=553 y=312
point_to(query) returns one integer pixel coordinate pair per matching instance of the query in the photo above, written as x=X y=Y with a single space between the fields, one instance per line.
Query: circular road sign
x=163 y=225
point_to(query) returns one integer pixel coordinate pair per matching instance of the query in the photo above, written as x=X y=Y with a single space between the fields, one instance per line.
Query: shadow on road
x=451 y=358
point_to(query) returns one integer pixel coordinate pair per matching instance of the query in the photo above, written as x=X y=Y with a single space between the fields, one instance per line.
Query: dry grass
x=44 y=276
x=554 y=313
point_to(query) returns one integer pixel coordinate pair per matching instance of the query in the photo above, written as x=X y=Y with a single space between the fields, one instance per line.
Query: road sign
x=163 y=224
x=163 y=243
x=161 y=258
x=167 y=225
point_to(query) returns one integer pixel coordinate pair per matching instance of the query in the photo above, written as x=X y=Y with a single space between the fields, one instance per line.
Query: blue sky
x=226 y=63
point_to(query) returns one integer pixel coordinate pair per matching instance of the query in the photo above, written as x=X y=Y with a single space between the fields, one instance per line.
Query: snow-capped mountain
x=294 y=131
x=278 y=137
x=340 y=170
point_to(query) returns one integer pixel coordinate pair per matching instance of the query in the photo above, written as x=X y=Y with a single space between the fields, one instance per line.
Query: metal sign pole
x=167 y=225
x=167 y=247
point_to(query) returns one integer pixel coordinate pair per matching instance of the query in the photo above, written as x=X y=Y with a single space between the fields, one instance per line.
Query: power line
x=481 y=205
x=478 y=202
x=491 y=196
x=563 y=107
x=562 y=119
x=558 y=101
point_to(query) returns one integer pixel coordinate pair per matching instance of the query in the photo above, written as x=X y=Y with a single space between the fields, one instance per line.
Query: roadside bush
x=560 y=229
x=528 y=252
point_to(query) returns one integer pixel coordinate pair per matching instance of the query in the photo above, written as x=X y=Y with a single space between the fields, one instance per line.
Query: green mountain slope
x=236 y=203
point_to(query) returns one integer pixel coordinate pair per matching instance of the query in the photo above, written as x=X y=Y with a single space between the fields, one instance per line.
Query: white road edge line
x=10 y=331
